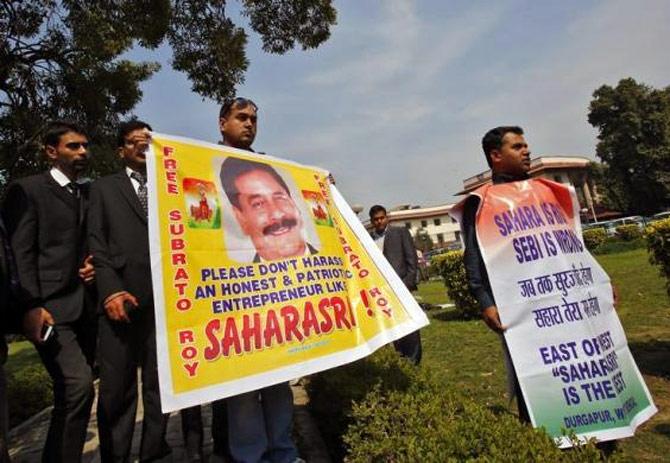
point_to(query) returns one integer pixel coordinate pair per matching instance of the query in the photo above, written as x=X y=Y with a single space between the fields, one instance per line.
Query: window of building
x=424 y=223
x=437 y=222
x=408 y=225
x=457 y=235
x=440 y=238
x=453 y=220
x=558 y=178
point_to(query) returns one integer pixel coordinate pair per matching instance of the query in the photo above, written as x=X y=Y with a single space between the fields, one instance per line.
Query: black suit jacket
x=10 y=311
x=119 y=239
x=400 y=252
x=46 y=225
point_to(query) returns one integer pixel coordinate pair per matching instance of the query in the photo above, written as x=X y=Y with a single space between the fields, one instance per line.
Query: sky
x=396 y=102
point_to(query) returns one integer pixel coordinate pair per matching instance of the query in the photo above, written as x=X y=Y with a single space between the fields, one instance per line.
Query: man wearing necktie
x=119 y=241
x=45 y=219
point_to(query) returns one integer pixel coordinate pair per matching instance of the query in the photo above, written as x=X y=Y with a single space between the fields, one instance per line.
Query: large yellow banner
x=261 y=273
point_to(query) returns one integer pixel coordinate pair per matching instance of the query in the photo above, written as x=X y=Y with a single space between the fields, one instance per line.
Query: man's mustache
x=288 y=222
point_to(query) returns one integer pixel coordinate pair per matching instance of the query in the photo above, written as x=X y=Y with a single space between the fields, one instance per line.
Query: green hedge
x=657 y=235
x=383 y=409
x=333 y=392
x=451 y=268
x=433 y=425
x=613 y=245
x=628 y=232
x=594 y=237
x=29 y=391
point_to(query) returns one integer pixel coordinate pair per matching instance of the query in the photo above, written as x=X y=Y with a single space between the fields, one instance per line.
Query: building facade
x=444 y=231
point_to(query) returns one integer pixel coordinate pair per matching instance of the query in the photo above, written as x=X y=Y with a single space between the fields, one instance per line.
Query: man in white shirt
x=45 y=215
x=119 y=241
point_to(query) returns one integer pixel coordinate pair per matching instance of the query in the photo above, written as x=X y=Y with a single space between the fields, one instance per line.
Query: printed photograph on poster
x=202 y=204
x=265 y=217
x=318 y=208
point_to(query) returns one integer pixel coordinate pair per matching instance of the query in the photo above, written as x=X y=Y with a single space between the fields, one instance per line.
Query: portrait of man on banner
x=265 y=217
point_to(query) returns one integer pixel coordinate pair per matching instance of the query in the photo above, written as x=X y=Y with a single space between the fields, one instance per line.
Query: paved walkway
x=26 y=440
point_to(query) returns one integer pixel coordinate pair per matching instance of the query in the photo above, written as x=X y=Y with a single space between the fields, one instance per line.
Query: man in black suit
x=119 y=242
x=45 y=215
x=398 y=248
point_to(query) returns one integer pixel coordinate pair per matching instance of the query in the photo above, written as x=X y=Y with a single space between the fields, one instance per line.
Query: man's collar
x=502 y=177
x=130 y=171
x=309 y=250
x=59 y=176
x=377 y=234
x=223 y=143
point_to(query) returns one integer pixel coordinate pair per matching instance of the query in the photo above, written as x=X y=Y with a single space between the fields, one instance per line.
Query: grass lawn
x=468 y=354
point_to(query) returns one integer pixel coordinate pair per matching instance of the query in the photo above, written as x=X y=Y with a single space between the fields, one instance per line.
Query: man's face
x=513 y=157
x=268 y=215
x=70 y=155
x=134 y=149
x=379 y=221
x=239 y=127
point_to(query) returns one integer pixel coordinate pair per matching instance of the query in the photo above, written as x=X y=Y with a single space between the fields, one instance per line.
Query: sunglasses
x=239 y=102
x=75 y=145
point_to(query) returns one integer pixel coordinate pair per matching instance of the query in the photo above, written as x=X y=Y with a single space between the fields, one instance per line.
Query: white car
x=610 y=226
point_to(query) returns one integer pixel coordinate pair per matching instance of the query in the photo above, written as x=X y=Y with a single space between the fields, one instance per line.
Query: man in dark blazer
x=119 y=241
x=398 y=248
x=45 y=215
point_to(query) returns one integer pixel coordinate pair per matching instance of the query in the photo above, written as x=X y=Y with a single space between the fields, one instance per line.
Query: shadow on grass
x=652 y=357
x=663 y=428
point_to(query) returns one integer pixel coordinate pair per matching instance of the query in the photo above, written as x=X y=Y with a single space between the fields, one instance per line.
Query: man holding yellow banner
x=259 y=422
x=262 y=273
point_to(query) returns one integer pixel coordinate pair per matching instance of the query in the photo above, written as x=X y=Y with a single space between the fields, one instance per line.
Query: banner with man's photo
x=567 y=344
x=261 y=273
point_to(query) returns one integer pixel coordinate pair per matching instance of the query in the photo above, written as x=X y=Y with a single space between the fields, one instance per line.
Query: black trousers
x=68 y=357
x=410 y=347
x=192 y=429
x=123 y=348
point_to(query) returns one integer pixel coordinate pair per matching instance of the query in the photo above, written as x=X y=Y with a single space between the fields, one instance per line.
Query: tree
x=422 y=240
x=633 y=121
x=64 y=59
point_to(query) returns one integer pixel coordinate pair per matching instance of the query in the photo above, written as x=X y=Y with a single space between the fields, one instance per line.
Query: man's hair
x=376 y=209
x=129 y=126
x=493 y=139
x=57 y=129
x=238 y=102
x=232 y=168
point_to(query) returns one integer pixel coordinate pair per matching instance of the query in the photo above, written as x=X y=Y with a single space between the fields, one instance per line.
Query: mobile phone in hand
x=46 y=332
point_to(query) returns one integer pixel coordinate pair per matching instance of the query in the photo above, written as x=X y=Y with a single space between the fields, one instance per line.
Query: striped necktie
x=142 y=189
